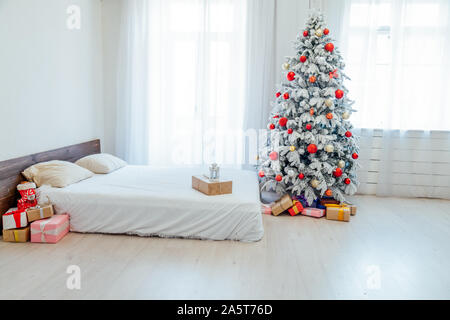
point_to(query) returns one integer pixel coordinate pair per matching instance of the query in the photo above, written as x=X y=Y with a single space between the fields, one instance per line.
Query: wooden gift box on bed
x=212 y=187
x=11 y=170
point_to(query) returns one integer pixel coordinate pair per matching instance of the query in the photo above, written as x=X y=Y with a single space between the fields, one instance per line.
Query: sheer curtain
x=397 y=54
x=184 y=87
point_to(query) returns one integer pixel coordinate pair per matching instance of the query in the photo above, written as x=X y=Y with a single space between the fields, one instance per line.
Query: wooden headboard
x=11 y=170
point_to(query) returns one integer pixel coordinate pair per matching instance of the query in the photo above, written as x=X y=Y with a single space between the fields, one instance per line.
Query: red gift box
x=296 y=209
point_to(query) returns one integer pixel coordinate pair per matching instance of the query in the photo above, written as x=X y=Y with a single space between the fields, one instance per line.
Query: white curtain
x=189 y=68
x=398 y=56
x=132 y=82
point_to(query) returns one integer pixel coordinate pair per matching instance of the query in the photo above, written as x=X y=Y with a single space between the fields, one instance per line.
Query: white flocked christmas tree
x=310 y=149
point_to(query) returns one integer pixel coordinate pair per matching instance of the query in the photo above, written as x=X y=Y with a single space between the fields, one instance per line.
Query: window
x=397 y=53
x=196 y=71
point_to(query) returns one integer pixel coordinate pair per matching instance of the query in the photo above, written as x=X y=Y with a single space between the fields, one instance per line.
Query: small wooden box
x=212 y=188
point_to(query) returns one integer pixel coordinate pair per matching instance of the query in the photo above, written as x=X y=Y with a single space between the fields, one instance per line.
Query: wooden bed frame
x=11 y=170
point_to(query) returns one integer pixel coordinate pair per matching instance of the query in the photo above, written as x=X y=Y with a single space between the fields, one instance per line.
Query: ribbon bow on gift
x=334 y=74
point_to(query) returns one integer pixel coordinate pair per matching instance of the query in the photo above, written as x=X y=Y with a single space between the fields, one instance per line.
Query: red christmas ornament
x=305 y=33
x=279 y=178
x=283 y=122
x=339 y=94
x=290 y=131
x=312 y=148
x=262 y=174
x=303 y=59
x=273 y=156
x=329 y=47
x=286 y=96
x=291 y=76
x=337 y=173
x=278 y=94
x=301 y=176
x=308 y=127
x=348 y=134
x=326 y=31
x=272 y=126
x=329 y=193
x=312 y=79
x=276 y=117
x=347 y=181
x=355 y=156
x=329 y=116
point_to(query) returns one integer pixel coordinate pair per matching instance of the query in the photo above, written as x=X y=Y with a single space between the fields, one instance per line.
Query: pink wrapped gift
x=50 y=230
x=266 y=209
x=14 y=219
x=313 y=212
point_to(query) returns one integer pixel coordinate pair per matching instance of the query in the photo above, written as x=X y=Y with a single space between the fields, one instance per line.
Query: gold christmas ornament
x=346 y=115
x=341 y=164
x=319 y=32
x=286 y=66
x=329 y=103
x=314 y=183
x=292 y=148
x=329 y=148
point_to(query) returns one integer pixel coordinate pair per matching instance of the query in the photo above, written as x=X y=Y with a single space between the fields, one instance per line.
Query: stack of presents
x=30 y=222
x=324 y=207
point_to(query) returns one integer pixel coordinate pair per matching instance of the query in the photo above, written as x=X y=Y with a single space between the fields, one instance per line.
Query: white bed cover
x=150 y=201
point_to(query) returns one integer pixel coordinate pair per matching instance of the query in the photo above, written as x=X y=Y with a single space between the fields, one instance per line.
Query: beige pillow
x=101 y=163
x=58 y=174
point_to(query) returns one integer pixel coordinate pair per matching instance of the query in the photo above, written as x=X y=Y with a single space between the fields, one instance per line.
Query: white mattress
x=149 y=201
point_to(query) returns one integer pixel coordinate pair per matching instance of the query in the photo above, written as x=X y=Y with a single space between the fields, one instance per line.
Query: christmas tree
x=310 y=149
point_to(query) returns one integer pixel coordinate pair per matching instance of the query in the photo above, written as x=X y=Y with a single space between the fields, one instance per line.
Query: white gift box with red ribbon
x=14 y=219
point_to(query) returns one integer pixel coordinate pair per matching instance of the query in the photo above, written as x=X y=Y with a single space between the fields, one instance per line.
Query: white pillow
x=101 y=163
x=58 y=174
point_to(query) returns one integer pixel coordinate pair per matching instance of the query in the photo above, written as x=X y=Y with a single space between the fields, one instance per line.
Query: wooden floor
x=393 y=249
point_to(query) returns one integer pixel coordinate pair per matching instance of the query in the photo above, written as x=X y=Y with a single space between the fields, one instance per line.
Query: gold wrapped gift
x=338 y=213
x=282 y=205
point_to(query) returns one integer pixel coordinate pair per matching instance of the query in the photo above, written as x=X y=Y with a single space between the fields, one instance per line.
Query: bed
x=152 y=201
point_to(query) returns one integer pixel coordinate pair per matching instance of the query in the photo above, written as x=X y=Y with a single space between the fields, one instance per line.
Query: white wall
x=50 y=77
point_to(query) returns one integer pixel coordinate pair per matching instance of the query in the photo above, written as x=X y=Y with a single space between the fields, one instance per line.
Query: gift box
x=296 y=209
x=285 y=203
x=14 y=219
x=338 y=213
x=17 y=235
x=325 y=201
x=265 y=209
x=212 y=187
x=313 y=212
x=50 y=230
x=352 y=209
x=39 y=213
